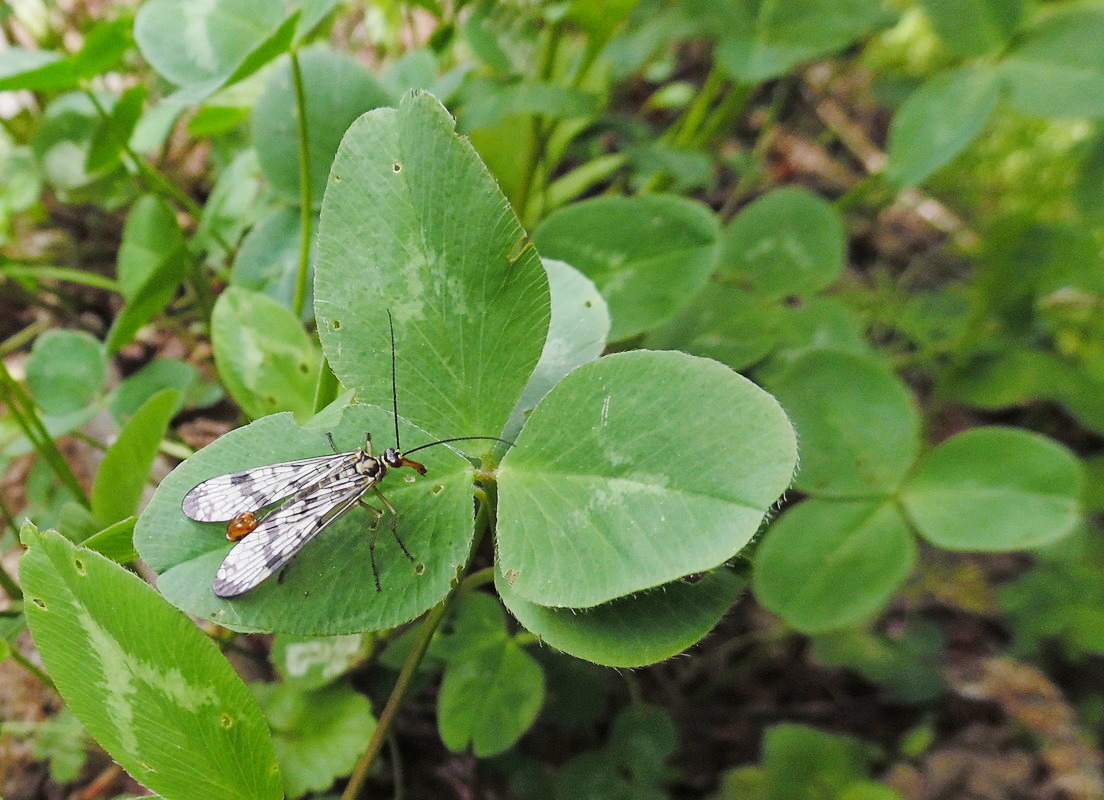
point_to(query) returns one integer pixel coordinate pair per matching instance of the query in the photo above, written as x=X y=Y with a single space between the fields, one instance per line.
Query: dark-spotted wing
x=285 y=532
x=223 y=497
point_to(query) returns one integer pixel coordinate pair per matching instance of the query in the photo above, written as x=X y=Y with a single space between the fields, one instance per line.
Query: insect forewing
x=223 y=497
x=284 y=533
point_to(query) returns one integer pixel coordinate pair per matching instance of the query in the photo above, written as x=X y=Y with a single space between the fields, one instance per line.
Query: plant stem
x=22 y=337
x=24 y=662
x=60 y=273
x=305 y=203
x=398 y=694
x=684 y=131
x=724 y=114
x=23 y=412
x=10 y=586
x=483 y=523
x=538 y=136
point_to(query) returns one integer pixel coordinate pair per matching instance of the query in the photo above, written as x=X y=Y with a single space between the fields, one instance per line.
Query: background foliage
x=793 y=313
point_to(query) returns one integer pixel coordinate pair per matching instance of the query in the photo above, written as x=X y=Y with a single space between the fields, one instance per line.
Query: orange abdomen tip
x=241 y=525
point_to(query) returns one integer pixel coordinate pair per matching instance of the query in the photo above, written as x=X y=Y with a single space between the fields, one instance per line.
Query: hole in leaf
x=38 y=601
x=419 y=568
x=409 y=478
x=337 y=179
x=396 y=167
x=588 y=304
x=336 y=324
x=304 y=368
x=226 y=720
x=436 y=489
x=80 y=566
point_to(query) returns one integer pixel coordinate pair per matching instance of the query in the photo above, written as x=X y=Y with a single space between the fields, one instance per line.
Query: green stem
x=305 y=204
x=398 y=694
x=483 y=523
x=725 y=113
x=538 y=136
x=24 y=662
x=23 y=412
x=18 y=339
x=60 y=273
x=684 y=131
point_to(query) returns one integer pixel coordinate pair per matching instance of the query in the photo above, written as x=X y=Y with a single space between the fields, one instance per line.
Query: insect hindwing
x=285 y=532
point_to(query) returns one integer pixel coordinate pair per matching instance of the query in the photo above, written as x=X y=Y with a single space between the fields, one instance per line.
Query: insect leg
x=394 y=521
x=374 y=532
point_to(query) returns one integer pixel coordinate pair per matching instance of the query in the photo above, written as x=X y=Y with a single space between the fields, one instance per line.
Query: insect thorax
x=369 y=466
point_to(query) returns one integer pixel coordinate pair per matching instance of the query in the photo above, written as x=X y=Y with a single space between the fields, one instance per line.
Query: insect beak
x=409 y=462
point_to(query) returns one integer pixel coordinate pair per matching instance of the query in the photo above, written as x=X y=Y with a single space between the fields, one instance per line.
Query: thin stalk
x=398 y=694
x=24 y=662
x=22 y=337
x=428 y=627
x=62 y=274
x=305 y=205
x=9 y=585
x=686 y=129
x=538 y=136
x=23 y=412
x=730 y=107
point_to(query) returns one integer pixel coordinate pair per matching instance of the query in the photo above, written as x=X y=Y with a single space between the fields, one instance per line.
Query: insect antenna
x=458 y=439
x=394 y=383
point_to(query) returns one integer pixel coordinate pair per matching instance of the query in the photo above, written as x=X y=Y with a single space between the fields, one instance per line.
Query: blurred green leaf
x=106 y=147
x=122 y=475
x=492 y=689
x=317 y=735
x=856 y=421
x=153 y=258
x=938 y=121
x=487 y=102
x=65 y=371
x=268 y=259
x=337 y=90
x=907 y=663
x=152 y=689
x=595 y=505
x=265 y=358
x=647 y=254
x=311 y=662
x=37 y=70
x=788 y=242
x=162 y=373
x=759 y=41
x=722 y=322
x=974 y=27
x=632 y=766
x=827 y=564
x=200 y=43
x=995 y=489
x=1055 y=68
